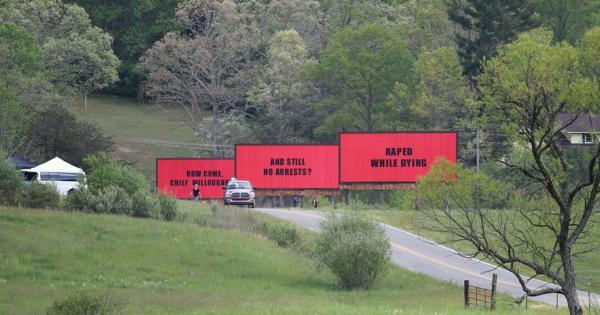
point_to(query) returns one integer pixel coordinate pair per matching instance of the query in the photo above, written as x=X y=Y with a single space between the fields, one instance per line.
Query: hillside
x=153 y=267
x=142 y=132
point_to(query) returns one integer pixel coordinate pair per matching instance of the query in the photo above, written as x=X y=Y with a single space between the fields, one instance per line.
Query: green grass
x=155 y=267
x=132 y=124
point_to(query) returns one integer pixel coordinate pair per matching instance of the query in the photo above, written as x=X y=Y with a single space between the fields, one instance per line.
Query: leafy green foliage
x=405 y=199
x=555 y=71
x=488 y=24
x=77 y=56
x=441 y=95
x=359 y=68
x=284 y=234
x=113 y=199
x=41 y=196
x=145 y=204
x=84 y=303
x=450 y=186
x=354 y=248
x=81 y=200
x=282 y=98
x=19 y=51
x=135 y=25
x=104 y=172
x=168 y=207
x=13 y=121
x=11 y=182
x=56 y=131
x=568 y=19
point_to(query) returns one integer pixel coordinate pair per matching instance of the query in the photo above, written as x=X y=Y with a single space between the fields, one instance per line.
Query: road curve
x=421 y=255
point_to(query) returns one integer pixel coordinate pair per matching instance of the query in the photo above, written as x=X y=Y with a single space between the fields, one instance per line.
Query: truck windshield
x=239 y=185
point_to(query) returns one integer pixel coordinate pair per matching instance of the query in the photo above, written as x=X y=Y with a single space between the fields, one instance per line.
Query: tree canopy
x=358 y=69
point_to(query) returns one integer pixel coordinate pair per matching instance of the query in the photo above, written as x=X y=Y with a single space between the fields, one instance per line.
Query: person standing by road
x=196 y=193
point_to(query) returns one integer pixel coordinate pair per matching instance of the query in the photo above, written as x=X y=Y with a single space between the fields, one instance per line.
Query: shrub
x=354 y=248
x=145 y=204
x=11 y=182
x=168 y=207
x=284 y=234
x=104 y=172
x=81 y=200
x=41 y=196
x=113 y=199
x=405 y=199
x=84 y=303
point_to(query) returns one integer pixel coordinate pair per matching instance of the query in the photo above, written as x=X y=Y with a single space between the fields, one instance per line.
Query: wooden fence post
x=466 y=293
x=493 y=299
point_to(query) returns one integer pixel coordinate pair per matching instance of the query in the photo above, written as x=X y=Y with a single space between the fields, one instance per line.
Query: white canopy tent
x=56 y=165
x=57 y=172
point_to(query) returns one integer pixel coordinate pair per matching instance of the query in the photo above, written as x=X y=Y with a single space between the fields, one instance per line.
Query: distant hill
x=142 y=132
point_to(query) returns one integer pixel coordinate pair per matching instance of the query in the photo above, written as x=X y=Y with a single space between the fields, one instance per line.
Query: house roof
x=57 y=165
x=584 y=123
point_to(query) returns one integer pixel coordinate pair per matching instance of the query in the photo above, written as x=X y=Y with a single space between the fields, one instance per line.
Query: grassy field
x=142 y=132
x=154 y=267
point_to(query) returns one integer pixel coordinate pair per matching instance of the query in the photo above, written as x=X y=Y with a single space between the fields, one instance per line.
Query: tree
x=22 y=64
x=55 y=131
x=425 y=25
x=13 y=122
x=19 y=57
x=135 y=25
x=303 y=16
x=19 y=52
x=344 y=13
x=441 y=96
x=568 y=19
x=282 y=97
x=487 y=25
x=77 y=55
x=205 y=67
x=358 y=70
x=525 y=89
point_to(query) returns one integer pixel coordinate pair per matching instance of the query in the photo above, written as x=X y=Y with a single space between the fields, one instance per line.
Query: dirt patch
x=125 y=149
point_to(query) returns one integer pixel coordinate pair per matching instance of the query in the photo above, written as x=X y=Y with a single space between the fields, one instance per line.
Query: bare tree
x=204 y=67
x=528 y=88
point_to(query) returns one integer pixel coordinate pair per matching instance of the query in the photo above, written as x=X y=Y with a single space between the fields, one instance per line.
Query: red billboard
x=392 y=157
x=177 y=176
x=288 y=166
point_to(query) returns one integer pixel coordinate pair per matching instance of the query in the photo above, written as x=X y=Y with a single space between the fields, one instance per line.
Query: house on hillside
x=583 y=131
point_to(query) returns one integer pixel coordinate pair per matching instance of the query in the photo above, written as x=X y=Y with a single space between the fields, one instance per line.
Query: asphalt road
x=418 y=254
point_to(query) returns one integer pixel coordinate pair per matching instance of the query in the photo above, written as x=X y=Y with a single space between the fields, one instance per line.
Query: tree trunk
x=140 y=91
x=569 y=288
